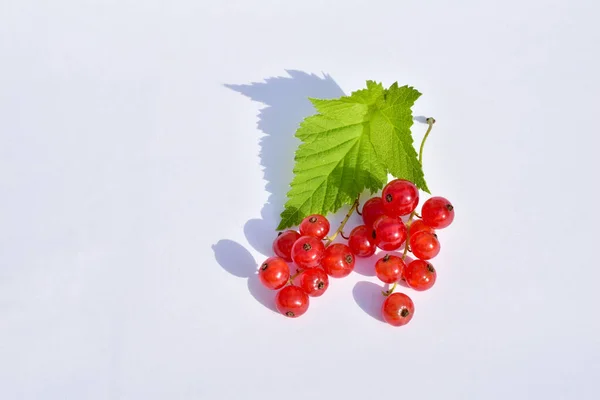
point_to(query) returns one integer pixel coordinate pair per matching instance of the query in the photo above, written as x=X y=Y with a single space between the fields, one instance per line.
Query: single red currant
x=389 y=268
x=400 y=197
x=420 y=275
x=424 y=245
x=308 y=252
x=398 y=309
x=437 y=212
x=361 y=241
x=292 y=301
x=314 y=281
x=314 y=225
x=389 y=233
x=282 y=245
x=372 y=209
x=338 y=261
x=274 y=273
x=418 y=226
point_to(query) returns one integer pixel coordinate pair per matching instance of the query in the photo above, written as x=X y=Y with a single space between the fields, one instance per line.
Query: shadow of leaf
x=286 y=105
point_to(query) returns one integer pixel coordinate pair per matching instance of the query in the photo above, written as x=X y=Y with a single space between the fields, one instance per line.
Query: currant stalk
x=354 y=207
x=430 y=122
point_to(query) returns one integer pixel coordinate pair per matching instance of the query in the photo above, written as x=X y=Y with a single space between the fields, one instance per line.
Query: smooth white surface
x=133 y=207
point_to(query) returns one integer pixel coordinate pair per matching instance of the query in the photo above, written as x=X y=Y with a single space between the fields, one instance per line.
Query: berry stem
x=291 y=280
x=343 y=224
x=390 y=290
x=412 y=214
x=430 y=122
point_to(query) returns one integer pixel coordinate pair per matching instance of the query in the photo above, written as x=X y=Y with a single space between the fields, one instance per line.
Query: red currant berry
x=308 y=252
x=292 y=301
x=418 y=226
x=314 y=225
x=437 y=212
x=282 y=245
x=338 y=261
x=314 y=281
x=420 y=275
x=372 y=209
x=400 y=197
x=361 y=241
x=274 y=273
x=398 y=309
x=424 y=245
x=389 y=233
x=389 y=268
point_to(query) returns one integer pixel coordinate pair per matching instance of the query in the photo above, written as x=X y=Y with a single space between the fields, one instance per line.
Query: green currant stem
x=354 y=207
x=430 y=122
x=408 y=223
x=391 y=290
x=357 y=205
x=291 y=280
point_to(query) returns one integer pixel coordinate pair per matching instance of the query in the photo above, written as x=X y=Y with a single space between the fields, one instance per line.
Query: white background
x=135 y=204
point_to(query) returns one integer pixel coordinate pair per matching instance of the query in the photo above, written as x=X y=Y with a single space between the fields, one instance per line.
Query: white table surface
x=135 y=204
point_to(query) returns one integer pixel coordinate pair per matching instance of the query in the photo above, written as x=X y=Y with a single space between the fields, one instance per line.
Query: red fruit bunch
x=390 y=223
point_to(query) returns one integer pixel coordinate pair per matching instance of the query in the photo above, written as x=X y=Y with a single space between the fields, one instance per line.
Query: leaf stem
x=430 y=122
x=343 y=224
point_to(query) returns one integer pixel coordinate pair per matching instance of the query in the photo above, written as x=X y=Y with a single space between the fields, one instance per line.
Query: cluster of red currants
x=389 y=224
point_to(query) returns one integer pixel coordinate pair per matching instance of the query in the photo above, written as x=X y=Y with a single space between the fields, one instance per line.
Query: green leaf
x=350 y=145
x=391 y=136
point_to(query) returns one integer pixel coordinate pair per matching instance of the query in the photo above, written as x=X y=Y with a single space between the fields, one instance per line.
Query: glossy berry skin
x=314 y=225
x=361 y=241
x=372 y=209
x=400 y=197
x=420 y=275
x=418 y=226
x=389 y=268
x=308 y=252
x=314 y=282
x=424 y=245
x=274 y=273
x=437 y=212
x=292 y=301
x=389 y=233
x=338 y=261
x=282 y=245
x=397 y=309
